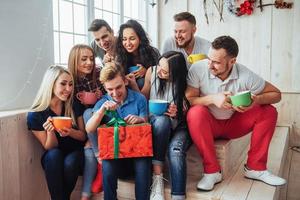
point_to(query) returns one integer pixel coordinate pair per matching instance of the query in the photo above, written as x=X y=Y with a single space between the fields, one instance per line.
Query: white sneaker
x=264 y=176
x=157 y=188
x=209 y=180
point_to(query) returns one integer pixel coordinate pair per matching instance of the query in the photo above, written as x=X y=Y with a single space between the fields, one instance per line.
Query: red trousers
x=204 y=128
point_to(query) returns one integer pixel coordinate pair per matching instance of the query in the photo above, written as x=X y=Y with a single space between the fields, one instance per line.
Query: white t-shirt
x=201 y=46
x=240 y=79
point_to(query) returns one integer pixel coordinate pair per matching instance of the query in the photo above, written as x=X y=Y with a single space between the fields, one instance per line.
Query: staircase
x=231 y=155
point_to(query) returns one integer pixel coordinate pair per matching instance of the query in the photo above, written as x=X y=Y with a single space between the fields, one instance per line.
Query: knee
x=89 y=153
x=197 y=112
x=53 y=155
x=87 y=115
x=74 y=160
x=270 y=111
x=52 y=159
x=176 y=149
x=161 y=125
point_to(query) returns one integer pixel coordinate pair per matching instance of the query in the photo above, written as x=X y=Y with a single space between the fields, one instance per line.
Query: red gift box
x=133 y=141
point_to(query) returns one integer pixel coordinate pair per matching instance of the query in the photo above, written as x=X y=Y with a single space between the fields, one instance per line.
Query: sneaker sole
x=203 y=190
x=263 y=181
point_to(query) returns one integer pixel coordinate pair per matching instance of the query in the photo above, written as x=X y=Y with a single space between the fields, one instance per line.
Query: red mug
x=88 y=98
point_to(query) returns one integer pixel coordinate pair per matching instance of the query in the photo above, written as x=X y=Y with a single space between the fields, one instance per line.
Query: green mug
x=241 y=99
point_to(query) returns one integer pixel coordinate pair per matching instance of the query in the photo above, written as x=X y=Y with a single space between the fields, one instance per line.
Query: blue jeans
x=176 y=142
x=179 y=144
x=89 y=172
x=90 y=164
x=61 y=171
x=161 y=132
x=120 y=168
x=93 y=137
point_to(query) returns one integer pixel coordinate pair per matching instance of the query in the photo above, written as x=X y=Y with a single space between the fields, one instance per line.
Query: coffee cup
x=133 y=69
x=241 y=99
x=60 y=122
x=88 y=98
x=195 y=57
x=157 y=106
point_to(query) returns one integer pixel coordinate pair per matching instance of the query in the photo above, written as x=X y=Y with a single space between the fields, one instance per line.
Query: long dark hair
x=148 y=55
x=177 y=75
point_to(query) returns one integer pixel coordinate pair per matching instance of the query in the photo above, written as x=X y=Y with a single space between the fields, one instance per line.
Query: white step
x=230 y=153
x=234 y=186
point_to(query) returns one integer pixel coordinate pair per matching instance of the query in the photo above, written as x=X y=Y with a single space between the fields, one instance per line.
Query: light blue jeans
x=90 y=161
x=176 y=142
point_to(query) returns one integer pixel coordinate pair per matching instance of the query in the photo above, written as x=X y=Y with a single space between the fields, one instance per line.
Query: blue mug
x=133 y=69
x=157 y=106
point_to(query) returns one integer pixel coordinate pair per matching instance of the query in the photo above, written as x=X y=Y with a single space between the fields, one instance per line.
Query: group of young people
x=199 y=110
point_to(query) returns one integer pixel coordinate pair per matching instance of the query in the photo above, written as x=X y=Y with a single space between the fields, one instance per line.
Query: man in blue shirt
x=132 y=107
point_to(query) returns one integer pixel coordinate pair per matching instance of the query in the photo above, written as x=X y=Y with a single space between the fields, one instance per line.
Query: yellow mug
x=195 y=57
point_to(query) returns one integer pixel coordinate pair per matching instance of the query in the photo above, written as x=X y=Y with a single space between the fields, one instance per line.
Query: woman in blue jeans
x=167 y=81
x=82 y=65
x=63 y=159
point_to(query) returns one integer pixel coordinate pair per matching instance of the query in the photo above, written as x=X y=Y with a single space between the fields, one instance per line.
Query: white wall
x=26 y=49
x=269 y=44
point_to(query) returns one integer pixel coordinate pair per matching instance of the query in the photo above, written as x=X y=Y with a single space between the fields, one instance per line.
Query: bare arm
x=47 y=137
x=221 y=100
x=269 y=95
x=147 y=85
x=94 y=121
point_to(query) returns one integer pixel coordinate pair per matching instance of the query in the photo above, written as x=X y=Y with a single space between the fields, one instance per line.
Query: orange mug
x=88 y=98
x=60 y=122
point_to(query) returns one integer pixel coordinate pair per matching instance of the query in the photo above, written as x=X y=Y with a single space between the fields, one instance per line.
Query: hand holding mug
x=140 y=72
x=48 y=126
x=87 y=98
x=172 y=111
x=222 y=100
x=64 y=132
x=242 y=109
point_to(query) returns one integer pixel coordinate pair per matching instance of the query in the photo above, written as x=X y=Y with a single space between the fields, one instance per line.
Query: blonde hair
x=45 y=92
x=74 y=57
x=110 y=71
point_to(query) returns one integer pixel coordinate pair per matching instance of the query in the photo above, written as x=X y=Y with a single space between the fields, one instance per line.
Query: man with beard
x=212 y=115
x=185 y=40
x=104 y=40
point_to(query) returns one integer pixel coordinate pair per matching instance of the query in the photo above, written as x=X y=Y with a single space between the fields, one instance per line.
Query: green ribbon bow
x=115 y=122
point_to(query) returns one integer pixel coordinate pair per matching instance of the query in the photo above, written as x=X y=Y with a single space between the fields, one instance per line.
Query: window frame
x=89 y=16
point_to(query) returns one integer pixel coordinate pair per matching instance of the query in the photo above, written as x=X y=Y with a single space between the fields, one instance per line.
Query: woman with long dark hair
x=167 y=81
x=133 y=49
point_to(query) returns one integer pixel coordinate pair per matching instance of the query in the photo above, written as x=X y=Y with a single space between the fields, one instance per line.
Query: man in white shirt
x=210 y=84
x=184 y=39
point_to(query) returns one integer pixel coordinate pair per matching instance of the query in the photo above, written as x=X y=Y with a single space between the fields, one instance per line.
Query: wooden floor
x=235 y=186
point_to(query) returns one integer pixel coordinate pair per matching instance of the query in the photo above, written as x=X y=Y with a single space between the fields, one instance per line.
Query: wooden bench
x=22 y=176
x=230 y=154
x=234 y=186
